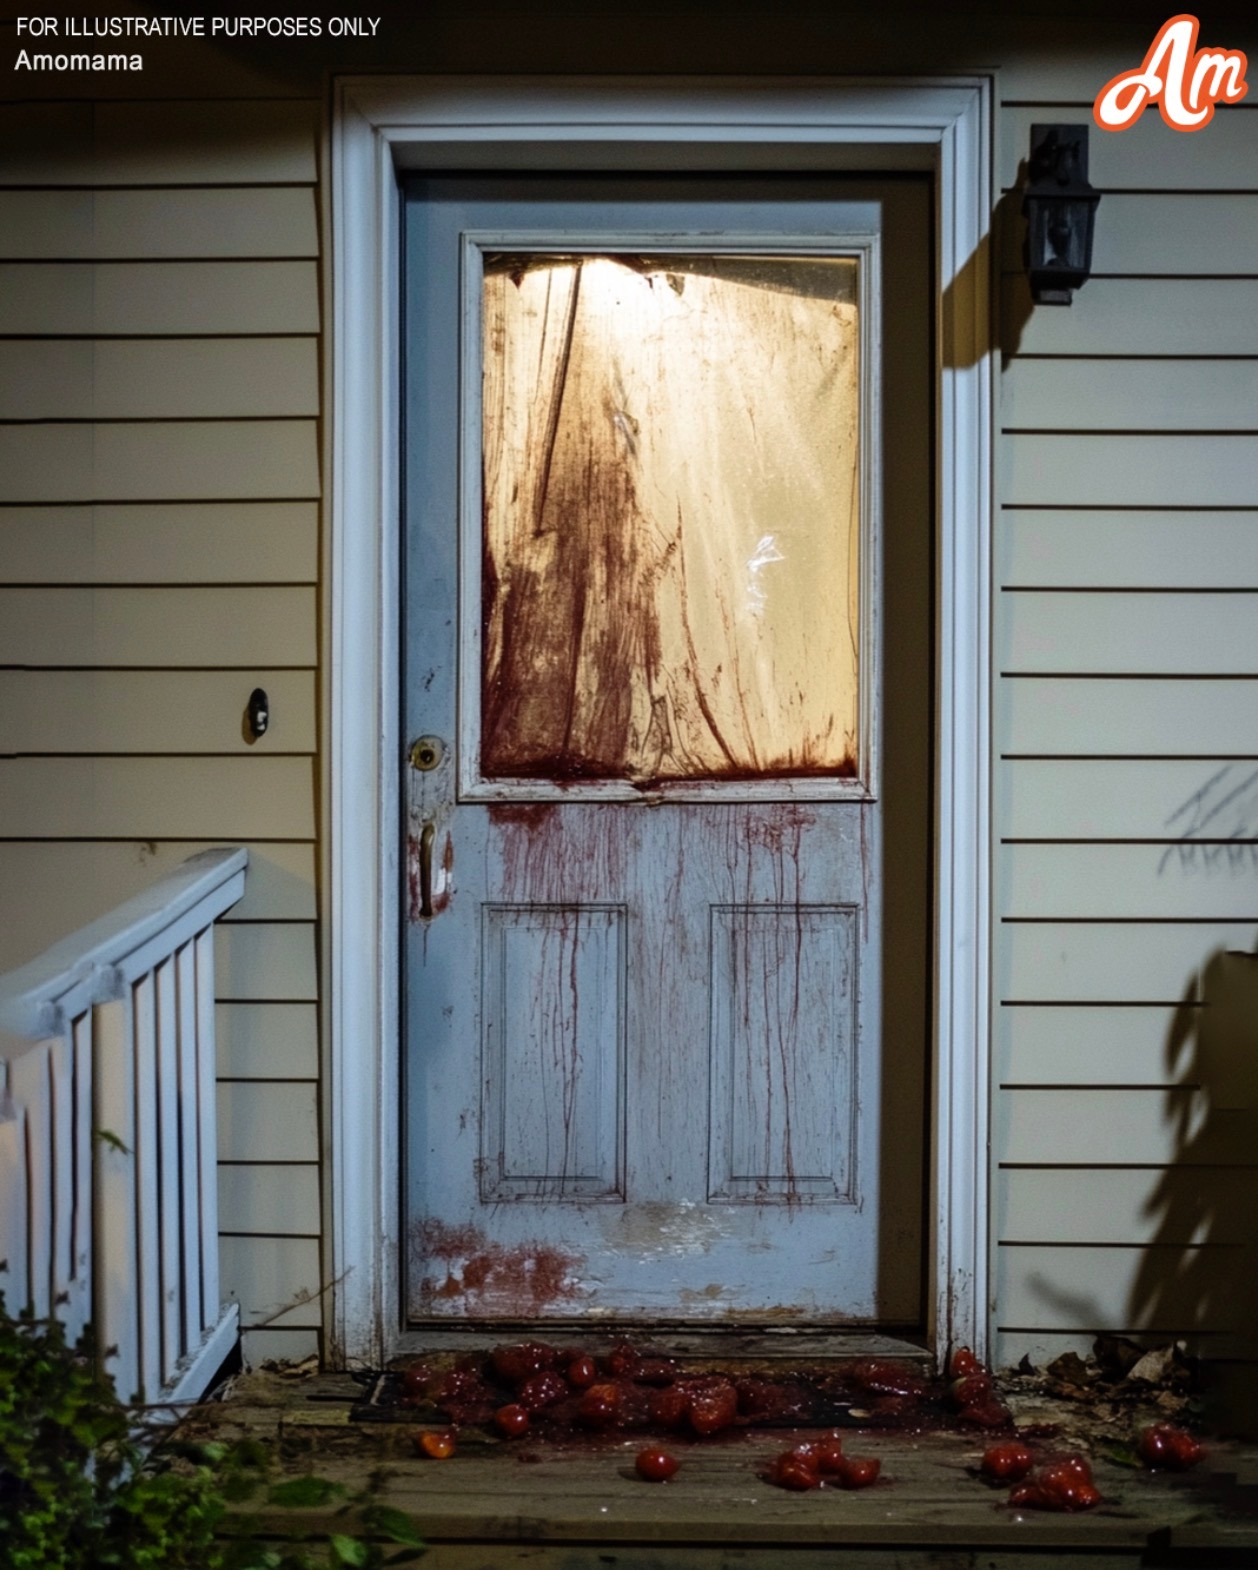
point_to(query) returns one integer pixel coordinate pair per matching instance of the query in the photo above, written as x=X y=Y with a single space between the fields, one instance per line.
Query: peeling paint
x=659 y=1229
x=462 y=1270
x=714 y=1292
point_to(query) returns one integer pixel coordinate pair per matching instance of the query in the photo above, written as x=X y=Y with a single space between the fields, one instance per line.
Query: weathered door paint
x=648 y=1065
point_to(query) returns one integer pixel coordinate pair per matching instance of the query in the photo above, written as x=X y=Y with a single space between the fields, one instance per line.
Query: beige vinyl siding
x=159 y=546
x=160 y=379
x=120 y=711
x=112 y=225
x=1126 y=731
x=161 y=542
x=93 y=299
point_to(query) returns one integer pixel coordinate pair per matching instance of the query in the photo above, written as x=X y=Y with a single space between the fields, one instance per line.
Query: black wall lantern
x=1060 y=208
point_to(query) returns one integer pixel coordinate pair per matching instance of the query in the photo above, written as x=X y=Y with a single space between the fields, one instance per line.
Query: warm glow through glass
x=671 y=517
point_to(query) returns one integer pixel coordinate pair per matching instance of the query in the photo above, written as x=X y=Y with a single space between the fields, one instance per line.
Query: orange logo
x=1183 y=81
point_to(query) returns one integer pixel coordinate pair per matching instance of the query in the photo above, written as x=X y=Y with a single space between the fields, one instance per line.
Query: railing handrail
x=88 y=967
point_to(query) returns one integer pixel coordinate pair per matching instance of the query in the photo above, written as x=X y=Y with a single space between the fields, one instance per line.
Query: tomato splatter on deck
x=570 y=1391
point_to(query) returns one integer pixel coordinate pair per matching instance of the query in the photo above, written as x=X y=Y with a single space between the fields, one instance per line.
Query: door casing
x=384 y=125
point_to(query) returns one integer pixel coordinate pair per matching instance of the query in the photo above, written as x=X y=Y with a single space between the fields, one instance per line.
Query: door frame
x=385 y=126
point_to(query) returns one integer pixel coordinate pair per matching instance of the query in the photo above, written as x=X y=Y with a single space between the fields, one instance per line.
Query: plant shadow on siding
x=1200 y=1276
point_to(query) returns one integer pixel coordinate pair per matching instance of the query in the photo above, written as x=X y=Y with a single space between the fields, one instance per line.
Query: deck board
x=579 y=1506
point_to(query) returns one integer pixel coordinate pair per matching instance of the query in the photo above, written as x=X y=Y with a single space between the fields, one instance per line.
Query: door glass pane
x=671 y=517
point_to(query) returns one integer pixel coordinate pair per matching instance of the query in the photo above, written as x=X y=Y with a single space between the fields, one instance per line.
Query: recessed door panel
x=784 y=1004
x=553 y=1055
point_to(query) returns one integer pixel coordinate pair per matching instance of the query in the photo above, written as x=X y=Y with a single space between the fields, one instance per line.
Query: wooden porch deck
x=550 y=1506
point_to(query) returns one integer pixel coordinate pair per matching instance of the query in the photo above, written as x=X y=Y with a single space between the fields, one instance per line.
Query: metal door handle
x=426 y=836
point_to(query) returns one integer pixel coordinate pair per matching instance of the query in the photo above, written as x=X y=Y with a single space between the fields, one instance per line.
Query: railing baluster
x=31 y=1082
x=79 y=1309
x=189 y=1138
x=207 y=1143
x=61 y=1088
x=147 y=1179
x=15 y=1219
x=166 y=1092
x=115 y=1300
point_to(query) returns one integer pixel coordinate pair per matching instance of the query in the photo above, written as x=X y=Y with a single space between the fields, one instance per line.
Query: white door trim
x=383 y=124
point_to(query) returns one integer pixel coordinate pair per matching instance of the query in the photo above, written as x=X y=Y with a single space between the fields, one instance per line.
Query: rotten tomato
x=599 y=1405
x=1062 y=1484
x=859 y=1471
x=654 y=1464
x=582 y=1372
x=1163 y=1447
x=437 y=1444
x=512 y=1420
x=791 y=1470
x=541 y=1390
x=1007 y=1462
x=515 y=1364
x=713 y=1408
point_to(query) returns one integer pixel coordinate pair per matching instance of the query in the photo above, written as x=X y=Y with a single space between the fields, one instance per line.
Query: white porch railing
x=108 y=1134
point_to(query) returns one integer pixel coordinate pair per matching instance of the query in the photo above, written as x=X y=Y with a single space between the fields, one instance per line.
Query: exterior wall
x=159 y=540
x=160 y=380
x=1125 y=649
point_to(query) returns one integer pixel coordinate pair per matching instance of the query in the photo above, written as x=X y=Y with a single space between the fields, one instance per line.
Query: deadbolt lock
x=426 y=753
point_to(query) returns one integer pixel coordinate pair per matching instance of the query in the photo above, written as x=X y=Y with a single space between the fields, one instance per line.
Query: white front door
x=667 y=630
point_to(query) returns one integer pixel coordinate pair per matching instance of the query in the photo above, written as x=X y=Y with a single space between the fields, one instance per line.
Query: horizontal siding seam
x=270 y=1161
x=268 y=1079
x=1120 y=508
x=1120 y=675
x=237 y=1233
x=157 y=419
x=1196 y=754
x=1130 y=921
x=131 y=336
x=1083 y=1087
x=248 y=1080
x=255 y=665
x=127 y=587
x=1166 y=1248
x=1093 y=1003
x=35 y=754
x=162 y=839
x=181 y=189
x=1152 y=1168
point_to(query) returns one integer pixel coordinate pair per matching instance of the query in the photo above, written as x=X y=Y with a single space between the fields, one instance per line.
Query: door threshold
x=717 y=1343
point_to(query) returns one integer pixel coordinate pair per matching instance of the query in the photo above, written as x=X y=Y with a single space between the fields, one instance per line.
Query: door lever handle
x=426 y=836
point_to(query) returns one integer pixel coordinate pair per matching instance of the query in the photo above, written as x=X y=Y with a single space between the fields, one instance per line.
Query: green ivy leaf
x=349 y=1551
x=209 y=1452
x=301 y=1493
x=396 y=1525
x=253 y=1556
x=251 y=1453
x=237 y=1489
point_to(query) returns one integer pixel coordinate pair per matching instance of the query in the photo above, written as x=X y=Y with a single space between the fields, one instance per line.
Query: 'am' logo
x=1183 y=81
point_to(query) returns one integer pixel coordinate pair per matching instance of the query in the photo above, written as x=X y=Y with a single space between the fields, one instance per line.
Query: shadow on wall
x=983 y=271
x=1201 y=1275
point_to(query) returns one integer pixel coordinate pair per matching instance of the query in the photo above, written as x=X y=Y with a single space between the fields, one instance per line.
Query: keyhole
x=426 y=753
